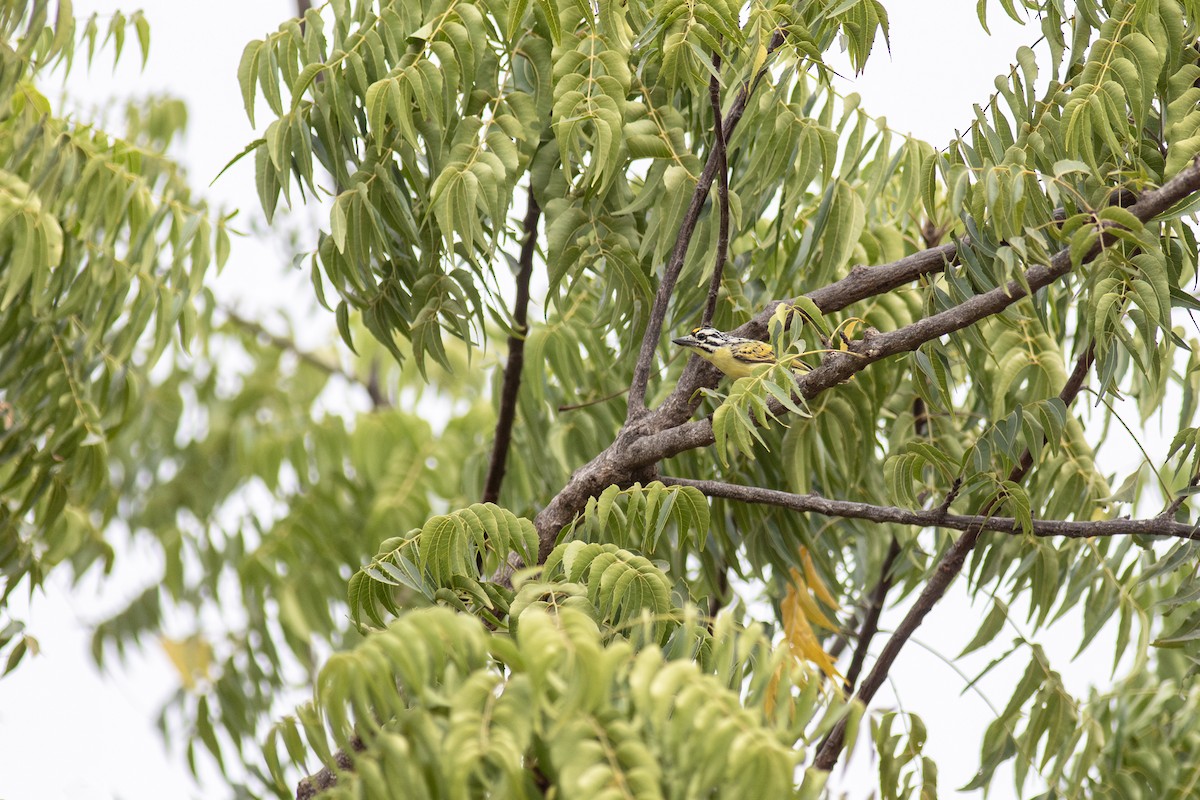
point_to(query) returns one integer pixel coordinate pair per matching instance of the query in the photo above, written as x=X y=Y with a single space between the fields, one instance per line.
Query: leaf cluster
x=593 y=673
x=476 y=715
x=103 y=253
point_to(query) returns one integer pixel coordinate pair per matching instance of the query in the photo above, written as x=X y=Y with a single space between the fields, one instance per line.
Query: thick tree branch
x=936 y=518
x=666 y=287
x=861 y=282
x=714 y=285
x=516 y=358
x=839 y=367
x=660 y=434
x=947 y=570
x=870 y=624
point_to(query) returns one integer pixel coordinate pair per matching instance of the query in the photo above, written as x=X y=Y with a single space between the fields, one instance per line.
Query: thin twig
x=370 y=385
x=870 y=625
x=1179 y=499
x=589 y=403
x=687 y=227
x=516 y=358
x=943 y=575
x=714 y=286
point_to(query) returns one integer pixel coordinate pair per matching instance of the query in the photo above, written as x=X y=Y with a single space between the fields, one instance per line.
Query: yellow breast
x=724 y=360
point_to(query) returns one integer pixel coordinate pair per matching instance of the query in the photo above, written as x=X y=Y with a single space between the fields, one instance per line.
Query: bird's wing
x=756 y=353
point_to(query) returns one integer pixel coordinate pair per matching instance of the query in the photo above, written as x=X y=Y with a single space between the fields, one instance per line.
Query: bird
x=733 y=355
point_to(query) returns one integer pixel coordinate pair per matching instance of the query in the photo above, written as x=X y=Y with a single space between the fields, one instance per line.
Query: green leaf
x=248 y=70
x=305 y=79
x=142 y=26
x=337 y=220
x=992 y=624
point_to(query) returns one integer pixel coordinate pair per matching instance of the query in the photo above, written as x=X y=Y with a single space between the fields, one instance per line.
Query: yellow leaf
x=760 y=58
x=808 y=607
x=772 y=688
x=191 y=658
x=803 y=642
x=814 y=581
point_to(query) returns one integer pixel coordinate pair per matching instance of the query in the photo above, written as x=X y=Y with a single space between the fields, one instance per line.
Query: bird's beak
x=685 y=341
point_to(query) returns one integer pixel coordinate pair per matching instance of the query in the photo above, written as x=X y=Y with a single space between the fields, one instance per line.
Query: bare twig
x=370 y=385
x=936 y=518
x=687 y=227
x=516 y=358
x=589 y=403
x=870 y=625
x=1179 y=499
x=714 y=286
x=946 y=571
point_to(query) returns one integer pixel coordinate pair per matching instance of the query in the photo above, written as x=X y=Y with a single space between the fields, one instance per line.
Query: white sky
x=68 y=732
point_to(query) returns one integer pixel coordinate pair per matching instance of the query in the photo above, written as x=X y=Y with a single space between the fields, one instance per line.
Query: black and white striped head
x=707 y=339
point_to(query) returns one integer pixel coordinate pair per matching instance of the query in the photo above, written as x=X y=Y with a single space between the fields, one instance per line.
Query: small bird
x=733 y=355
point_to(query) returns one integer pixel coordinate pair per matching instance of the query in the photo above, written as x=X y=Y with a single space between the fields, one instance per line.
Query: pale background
x=67 y=731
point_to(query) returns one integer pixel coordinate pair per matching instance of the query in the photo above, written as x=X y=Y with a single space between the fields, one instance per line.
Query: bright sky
x=68 y=732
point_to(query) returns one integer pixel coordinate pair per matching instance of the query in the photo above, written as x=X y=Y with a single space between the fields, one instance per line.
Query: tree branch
x=714 y=286
x=687 y=227
x=947 y=570
x=608 y=467
x=935 y=518
x=859 y=284
x=664 y=432
x=870 y=625
x=516 y=358
x=839 y=367
x=370 y=385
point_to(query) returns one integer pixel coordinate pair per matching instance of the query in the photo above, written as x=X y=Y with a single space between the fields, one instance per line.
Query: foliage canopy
x=583 y=627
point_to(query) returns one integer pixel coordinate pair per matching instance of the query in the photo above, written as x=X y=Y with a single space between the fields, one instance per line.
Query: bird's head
x=706 y=339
